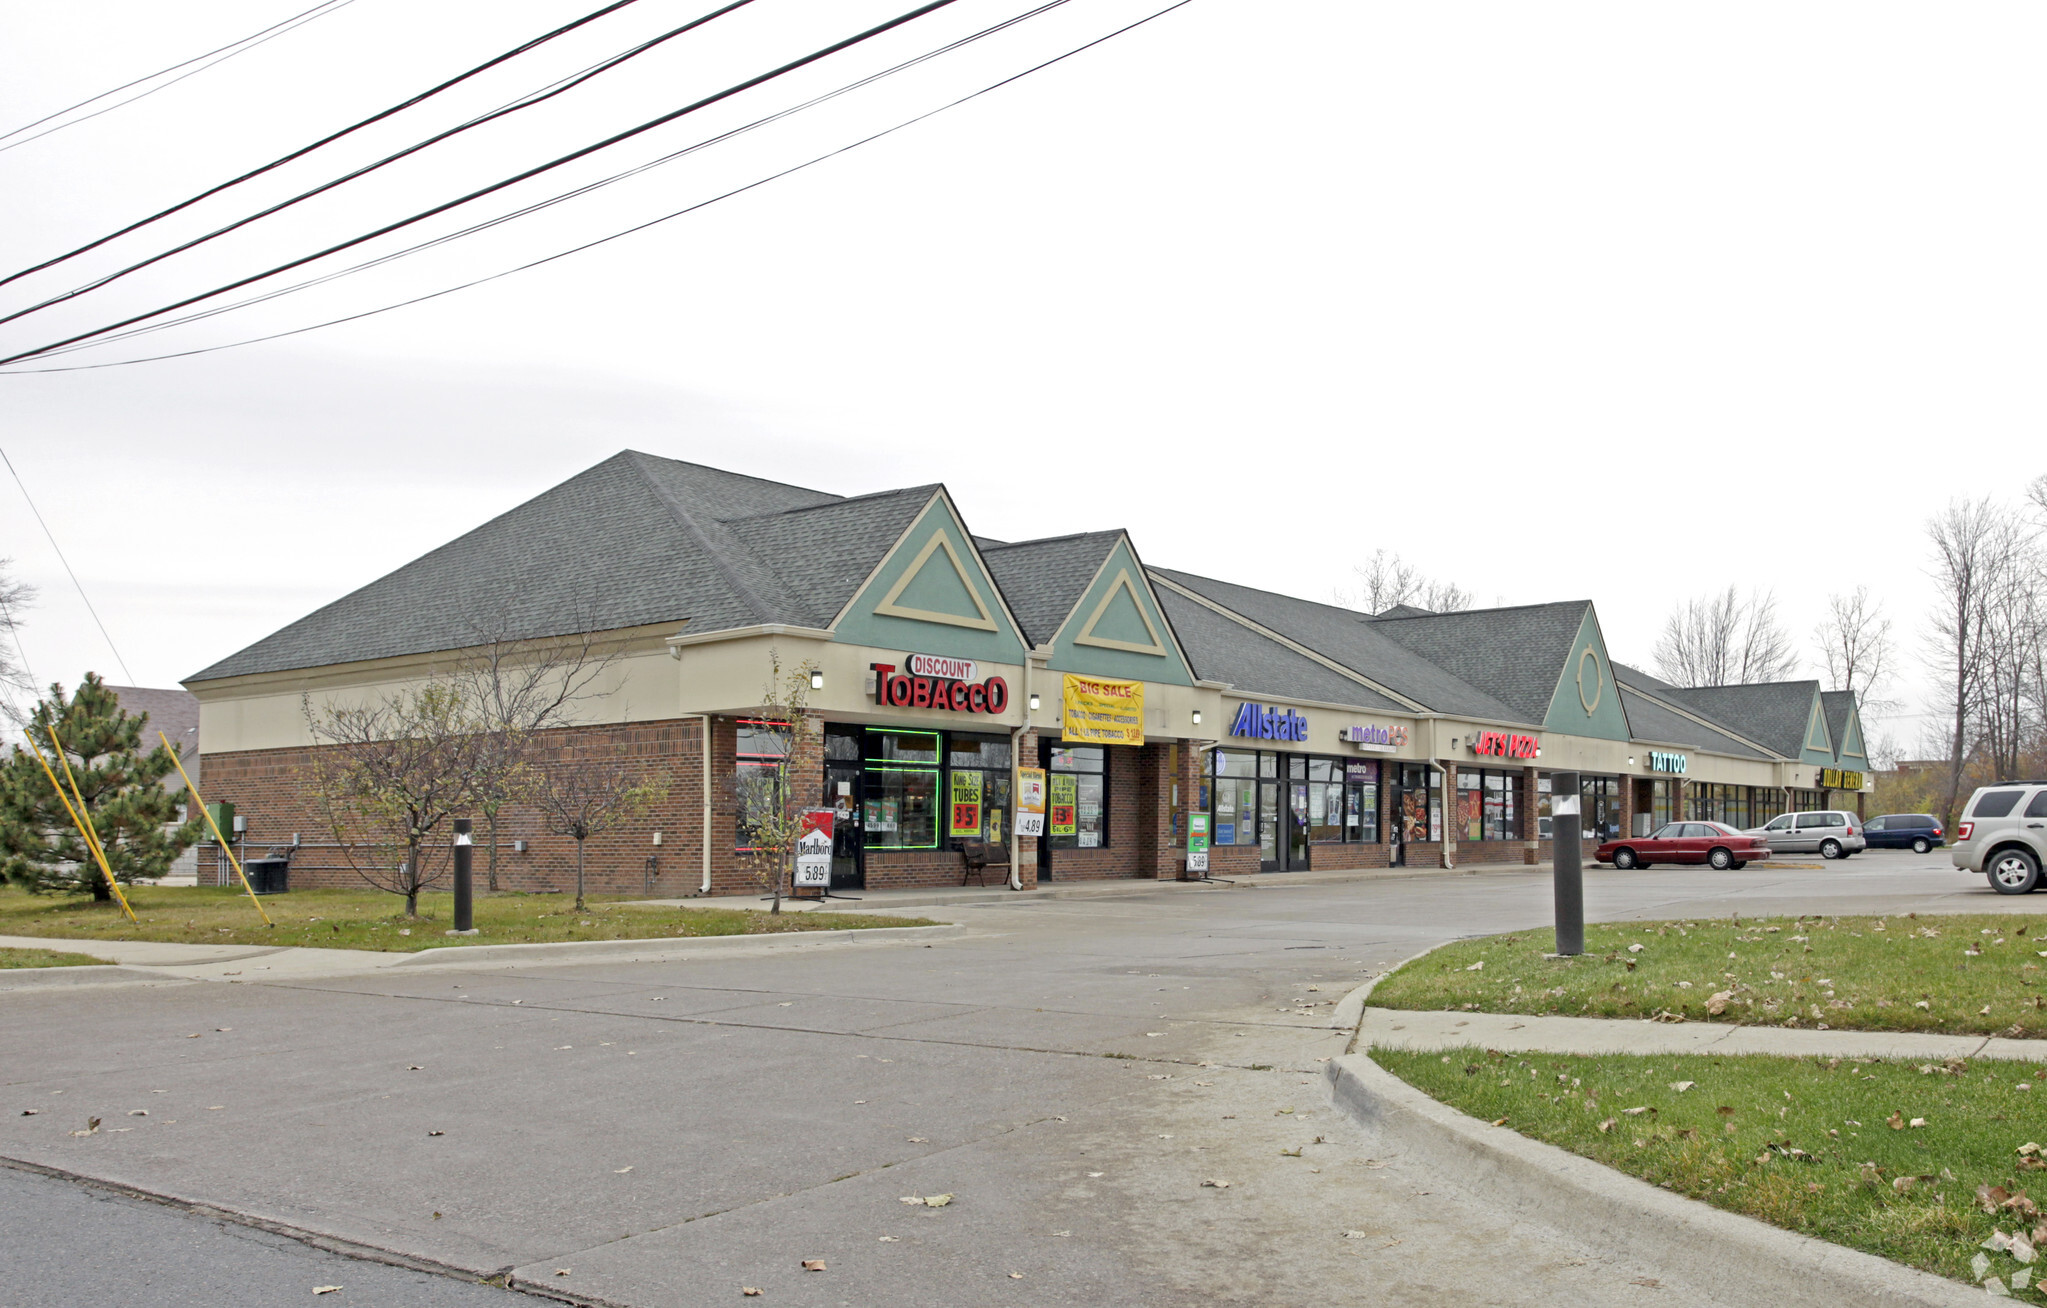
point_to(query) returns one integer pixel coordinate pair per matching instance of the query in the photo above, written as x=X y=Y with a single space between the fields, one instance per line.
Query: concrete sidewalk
x=1404 y=1029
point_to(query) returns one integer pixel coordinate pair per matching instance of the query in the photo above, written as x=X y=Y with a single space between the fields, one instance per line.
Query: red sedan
x=1713 y=843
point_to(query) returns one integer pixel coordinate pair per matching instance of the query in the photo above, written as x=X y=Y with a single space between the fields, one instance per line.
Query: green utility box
x=223 y=814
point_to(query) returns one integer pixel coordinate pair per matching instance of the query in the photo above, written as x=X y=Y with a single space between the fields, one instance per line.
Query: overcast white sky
x=1612 y=301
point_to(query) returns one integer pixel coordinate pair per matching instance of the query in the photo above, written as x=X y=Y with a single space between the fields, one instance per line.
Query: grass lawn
x=1981 y=974
x=369 y=919
x=11 y=958
x=1830 y=1148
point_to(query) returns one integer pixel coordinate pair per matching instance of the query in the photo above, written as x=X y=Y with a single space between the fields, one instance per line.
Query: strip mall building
x=1309 y=735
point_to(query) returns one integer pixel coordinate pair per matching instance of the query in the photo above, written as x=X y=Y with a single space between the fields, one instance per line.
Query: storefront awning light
x=1197 y=717
x=1034 y=701
x=817 y=678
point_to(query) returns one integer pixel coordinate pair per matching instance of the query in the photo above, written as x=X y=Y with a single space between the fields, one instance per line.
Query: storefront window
x=977 y=786
x=1235 y=797
x=1767 y=802
x=920 y=789
x=1599 y=808
x=902 y=807
x=1659 y=803
x=1421 y=803
x=758 y=752
x=1079 y=799
x=1361 y=803
x=1542 y=814
x=1487 y=805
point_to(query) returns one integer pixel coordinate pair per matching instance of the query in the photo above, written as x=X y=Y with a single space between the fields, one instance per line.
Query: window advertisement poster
x=1100 y=712
x=1030 y=801
x=1197 y=842
x=966 y=803
x=814 y=848
x=1065 y=799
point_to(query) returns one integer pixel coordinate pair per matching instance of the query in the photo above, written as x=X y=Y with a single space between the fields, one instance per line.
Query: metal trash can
x=268 y=876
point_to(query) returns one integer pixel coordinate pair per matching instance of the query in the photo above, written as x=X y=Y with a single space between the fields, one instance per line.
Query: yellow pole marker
x=85 y=831
x=201 y=802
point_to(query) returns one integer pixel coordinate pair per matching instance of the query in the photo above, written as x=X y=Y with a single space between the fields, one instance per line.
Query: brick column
x=1450 y=813
x=1525 y=805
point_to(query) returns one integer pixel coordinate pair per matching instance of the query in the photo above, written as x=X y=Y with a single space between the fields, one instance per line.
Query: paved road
x=1070 y=1071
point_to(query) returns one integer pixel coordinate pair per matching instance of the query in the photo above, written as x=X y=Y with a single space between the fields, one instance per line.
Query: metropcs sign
x=935 y=682
x=1263 y=722
x=1500 y=744
x=1374 y=738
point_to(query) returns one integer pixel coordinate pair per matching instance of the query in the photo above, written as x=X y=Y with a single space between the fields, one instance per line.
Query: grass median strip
x=1976 y=974
x=367 y=919
x=1924 y=1164
x=15 y=958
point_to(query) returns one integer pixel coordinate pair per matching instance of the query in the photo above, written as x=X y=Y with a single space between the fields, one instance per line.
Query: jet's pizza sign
x=930 y=681
x=1501 y=744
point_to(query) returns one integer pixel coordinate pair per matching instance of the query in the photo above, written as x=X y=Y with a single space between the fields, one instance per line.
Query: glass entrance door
x=843 y=795
x=1295 y=856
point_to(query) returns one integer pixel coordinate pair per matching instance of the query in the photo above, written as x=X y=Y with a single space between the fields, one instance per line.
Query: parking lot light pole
x=465 y=852
x=1567 y=862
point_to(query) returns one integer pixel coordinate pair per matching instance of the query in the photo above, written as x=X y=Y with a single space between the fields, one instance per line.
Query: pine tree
x=121 y=783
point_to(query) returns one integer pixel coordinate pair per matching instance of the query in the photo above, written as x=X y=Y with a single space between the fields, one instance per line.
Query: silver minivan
x=1830 y=833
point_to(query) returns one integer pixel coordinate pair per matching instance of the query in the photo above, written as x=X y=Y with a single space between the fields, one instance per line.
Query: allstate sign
x=1263 y=722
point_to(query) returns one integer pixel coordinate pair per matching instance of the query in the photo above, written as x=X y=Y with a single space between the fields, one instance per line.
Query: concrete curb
x=1744 y=1260
x=17 y=979
x=608 y=951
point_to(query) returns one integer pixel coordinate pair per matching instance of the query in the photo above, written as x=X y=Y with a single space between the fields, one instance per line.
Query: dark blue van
x=1918 y=832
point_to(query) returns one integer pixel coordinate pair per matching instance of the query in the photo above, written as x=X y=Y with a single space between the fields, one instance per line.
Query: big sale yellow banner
x=1099 y=712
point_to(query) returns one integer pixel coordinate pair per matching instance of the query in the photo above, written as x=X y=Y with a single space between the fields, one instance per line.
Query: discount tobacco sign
x=936 y=682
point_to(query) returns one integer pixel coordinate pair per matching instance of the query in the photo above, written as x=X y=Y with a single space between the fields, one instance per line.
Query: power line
x=899 y=20
x=52 y=536
x=571 y=194
x=302 y=151
x=247 y=43
x=640 y=227
x=525 y=102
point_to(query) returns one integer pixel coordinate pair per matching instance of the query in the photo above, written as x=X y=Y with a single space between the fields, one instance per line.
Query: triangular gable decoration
x=1119 y=621
x=935 y=589
x=1851 y=737
x=1816 y=730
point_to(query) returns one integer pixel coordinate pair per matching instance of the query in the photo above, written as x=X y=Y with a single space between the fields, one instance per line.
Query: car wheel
x=1739 y=864
x=2014 y=872
x=1921 y=845
x=1720 y=859
x=1624 y=859
x=1830 y=849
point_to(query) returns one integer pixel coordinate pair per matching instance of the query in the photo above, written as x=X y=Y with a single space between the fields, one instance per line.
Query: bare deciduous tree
x=14 y=679
x=1975 y=547
x=1854 y=640
x=1387 y=581
x=580 y=796
x=397 y=766
x=518 y=688
x=769 y=801
x=1725 y=640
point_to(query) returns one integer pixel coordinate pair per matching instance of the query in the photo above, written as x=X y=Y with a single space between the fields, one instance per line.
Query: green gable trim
x=1851 y=739
x=933 y=595
x=1118 y=630
x=1587 y=702
x=1819 y=746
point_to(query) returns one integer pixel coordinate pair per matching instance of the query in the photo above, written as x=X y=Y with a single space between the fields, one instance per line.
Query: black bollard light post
x=1567 y=858
x=465 y=854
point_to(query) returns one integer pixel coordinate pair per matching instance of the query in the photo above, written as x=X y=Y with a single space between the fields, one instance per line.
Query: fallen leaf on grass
x=1219 y=1185
x=138 y=1112
x=1917 y=1121
x=750 y=1291
x=1289 y=1153
x=1608 y=1125
x=1896 y=1121
x=1682 y=1086
x=1636 y=1112
x=1016 y=1276
x=813 y=1264
x=937 y=1200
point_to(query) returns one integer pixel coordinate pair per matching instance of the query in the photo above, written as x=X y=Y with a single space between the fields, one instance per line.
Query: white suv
x=1830 y=833
x=2003 y=835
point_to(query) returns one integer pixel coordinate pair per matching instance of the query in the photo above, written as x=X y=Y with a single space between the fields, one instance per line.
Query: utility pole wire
x=329 y=139
x=67 y=567
x=524 y=102
x=565 y=196
x=730 y=91
x=602 y=240
x=247 y=43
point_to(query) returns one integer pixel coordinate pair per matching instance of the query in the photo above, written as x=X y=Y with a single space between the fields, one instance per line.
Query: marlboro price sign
x=1030 y=801
x=814 y=849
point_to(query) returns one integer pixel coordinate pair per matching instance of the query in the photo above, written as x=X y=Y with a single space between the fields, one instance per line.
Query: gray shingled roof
x=1650 y=719
x=1222 y=649
x=634 y=541
x=1773 y=713
x=1043 y=579
x=1351 y=639
x=1514 y=654
x=172 y=711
